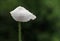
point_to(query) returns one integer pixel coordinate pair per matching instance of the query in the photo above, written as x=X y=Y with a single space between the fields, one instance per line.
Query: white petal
x=22 y=15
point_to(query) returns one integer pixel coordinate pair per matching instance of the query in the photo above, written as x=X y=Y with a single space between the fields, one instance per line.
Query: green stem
x=19 y=25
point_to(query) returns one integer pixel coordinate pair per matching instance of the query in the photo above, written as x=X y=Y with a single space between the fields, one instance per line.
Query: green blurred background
x=46 y=27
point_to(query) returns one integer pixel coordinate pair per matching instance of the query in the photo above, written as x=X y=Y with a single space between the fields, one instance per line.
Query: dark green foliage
x=46 y=27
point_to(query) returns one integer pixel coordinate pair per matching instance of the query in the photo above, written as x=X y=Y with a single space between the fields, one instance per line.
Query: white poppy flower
x=22 y=15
